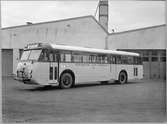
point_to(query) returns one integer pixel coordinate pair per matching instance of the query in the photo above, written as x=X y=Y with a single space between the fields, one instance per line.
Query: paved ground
x=138 y=101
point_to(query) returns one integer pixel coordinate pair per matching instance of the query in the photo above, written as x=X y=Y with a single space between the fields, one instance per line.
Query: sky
x=123 y=15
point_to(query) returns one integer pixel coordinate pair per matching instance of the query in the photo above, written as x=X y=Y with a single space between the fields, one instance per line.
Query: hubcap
x=66 y=81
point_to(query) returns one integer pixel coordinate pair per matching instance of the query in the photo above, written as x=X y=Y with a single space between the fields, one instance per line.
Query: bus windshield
x=31 y=55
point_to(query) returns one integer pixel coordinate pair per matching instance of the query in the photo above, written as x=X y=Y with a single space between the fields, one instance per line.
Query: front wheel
x=122 y=77
x=66 y=81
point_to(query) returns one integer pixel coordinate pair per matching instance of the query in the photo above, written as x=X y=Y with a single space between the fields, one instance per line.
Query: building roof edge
x=155 y=26
x=80 y=17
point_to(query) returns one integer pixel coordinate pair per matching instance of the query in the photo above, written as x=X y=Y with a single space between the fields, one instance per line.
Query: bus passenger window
x=130 y=60
x=51 y=57
x=104 y=59
x=124 y=59
x=135 y=60
x=118 y=60
x=68 y=57
x=113 y=59
x=46 y=58
x=62 y=57
x=90 y=59
x=77 y=58
x=93 y=58
x=55 y=57
x=85 y=58
x=98 y=59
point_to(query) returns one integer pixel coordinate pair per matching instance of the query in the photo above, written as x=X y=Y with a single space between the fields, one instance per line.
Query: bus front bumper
x=25 y=81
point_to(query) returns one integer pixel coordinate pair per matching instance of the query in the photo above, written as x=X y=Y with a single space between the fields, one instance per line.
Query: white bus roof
x=92 y=50
x=77 y=48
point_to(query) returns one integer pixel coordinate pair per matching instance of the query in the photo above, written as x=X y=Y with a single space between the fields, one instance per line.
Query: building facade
x=149 y=42
x=81 y=31
x=87 y=32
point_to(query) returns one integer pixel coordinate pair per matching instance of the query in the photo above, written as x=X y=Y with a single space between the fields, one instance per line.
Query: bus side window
x=130 y=60
x=112 y=59
x=55 y=57
x=85 y=58
x=77 y=58
x=124 y=59
x=90 y=59
x=118 y=59
x=139 y=60
x=104 y=59
x=62 y=57
x=93 y=58
x=44 y=56
x=99 y=59
x=51 y=59
x=68 y=57
x=135 y=60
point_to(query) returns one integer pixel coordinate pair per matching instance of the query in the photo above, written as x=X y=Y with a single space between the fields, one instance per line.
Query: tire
x=122 y=77
x=66 y=81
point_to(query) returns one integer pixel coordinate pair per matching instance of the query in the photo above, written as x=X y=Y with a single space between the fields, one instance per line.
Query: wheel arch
x=70 y=72
x=123 y=70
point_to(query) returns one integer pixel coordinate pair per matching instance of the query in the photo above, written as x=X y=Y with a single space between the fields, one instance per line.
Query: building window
x=145 y=53
x=154 y=53
x=163 y=59
x=163 y=53
x=145 y=59
x=154 y=59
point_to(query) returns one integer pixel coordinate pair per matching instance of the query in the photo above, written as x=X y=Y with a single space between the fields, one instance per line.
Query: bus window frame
x=41 y=57
x=63 y=52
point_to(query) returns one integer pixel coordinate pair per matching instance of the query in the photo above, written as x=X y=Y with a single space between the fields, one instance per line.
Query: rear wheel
x=122 y=77
x=66 y=81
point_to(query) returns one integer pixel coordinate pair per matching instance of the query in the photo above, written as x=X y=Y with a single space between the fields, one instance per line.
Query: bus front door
x=53 y=72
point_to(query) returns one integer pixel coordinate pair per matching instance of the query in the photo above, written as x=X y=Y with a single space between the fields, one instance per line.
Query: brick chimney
x=103 y=13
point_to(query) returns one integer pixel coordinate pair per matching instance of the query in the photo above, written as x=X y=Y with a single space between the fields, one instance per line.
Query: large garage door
x=154 y=63
x=7 y=62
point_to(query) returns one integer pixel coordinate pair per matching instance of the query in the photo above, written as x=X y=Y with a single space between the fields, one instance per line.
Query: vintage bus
x=65 y=66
